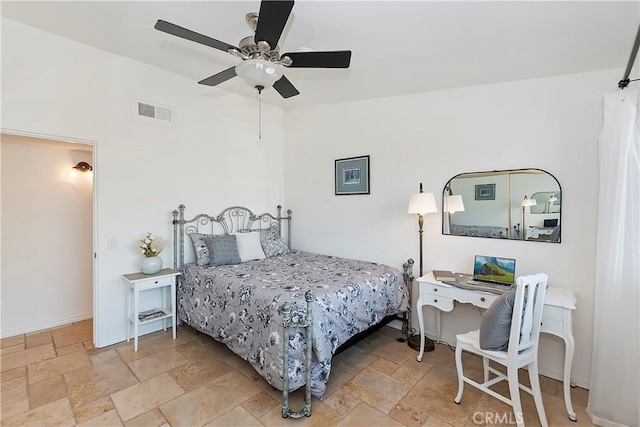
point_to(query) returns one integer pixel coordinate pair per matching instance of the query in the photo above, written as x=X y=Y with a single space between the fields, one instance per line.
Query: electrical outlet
x=113 y=243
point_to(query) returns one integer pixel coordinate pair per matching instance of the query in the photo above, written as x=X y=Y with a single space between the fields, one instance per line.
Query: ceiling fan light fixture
x=257 y=72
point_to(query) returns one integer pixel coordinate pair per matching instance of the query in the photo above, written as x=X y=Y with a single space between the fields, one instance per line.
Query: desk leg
x=569 y=348
x=421 y=324
x=128 y=312
x=164 y=306
x=439 y=323
x=136 y=294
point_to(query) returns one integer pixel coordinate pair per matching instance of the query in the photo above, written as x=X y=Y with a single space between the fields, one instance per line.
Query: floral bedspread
x=240 y=305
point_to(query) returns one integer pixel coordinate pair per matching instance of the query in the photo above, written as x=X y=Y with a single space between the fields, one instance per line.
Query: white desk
x=557 y=319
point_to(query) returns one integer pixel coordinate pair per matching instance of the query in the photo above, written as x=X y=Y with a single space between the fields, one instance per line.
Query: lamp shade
x=453 y=204
x=257 y=72
x=528 y=202
x=422 y=203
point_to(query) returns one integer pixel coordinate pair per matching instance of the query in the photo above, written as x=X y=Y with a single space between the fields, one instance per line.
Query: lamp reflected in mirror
x=526 y=203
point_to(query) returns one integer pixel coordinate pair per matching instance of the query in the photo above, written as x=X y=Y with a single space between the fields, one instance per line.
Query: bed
x=328 y=300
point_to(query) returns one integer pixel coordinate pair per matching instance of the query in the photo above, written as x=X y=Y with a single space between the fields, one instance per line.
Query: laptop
x=490 y=273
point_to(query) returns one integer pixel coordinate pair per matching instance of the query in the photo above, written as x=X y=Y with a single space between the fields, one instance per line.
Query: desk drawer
x=552 y=312
x=156 y=282
x=442 y=303
x=437 y=290
x=476 y=298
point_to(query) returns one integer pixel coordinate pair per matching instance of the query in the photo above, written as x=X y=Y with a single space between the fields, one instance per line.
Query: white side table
x=138 y=282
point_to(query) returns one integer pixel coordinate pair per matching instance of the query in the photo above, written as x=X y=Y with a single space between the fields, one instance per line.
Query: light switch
x=113 y=243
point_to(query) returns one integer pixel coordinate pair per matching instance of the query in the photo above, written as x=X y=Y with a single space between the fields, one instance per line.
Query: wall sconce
x=83 y=167
x=526 y=203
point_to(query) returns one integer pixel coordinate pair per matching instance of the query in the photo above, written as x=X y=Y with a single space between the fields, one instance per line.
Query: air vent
x=153 y=113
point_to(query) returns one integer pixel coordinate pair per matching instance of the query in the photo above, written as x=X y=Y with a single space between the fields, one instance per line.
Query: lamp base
x=414 y=343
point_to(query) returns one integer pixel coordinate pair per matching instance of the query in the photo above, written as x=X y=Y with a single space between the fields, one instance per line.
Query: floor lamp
x=419 y=203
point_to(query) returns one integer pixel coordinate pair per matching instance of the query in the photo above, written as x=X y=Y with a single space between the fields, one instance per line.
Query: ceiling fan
x=261 y=66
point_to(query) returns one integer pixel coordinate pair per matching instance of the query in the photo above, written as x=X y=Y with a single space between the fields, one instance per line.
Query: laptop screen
x=494 y=269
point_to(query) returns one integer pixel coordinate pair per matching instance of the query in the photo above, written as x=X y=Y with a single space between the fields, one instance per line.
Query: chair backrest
x=527 y=313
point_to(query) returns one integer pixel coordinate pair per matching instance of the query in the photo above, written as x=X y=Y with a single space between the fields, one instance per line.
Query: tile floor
x=57 y=378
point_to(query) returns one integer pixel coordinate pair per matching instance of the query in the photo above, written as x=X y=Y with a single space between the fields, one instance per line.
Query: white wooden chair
x=522 y=349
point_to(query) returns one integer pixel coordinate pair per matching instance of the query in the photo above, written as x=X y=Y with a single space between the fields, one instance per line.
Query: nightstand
x=138 y=282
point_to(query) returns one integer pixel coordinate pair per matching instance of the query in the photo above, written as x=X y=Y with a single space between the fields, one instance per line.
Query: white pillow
x=249 y=246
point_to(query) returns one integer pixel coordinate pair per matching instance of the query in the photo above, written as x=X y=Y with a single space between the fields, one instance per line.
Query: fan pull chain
x=259 y=111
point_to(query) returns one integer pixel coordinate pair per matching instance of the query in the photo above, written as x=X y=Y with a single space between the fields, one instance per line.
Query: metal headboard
x=233 y=219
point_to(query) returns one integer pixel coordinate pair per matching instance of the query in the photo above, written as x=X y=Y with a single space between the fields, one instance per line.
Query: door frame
x=94 y=146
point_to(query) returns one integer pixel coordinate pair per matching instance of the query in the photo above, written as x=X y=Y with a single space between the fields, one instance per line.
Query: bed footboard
x=306 y=322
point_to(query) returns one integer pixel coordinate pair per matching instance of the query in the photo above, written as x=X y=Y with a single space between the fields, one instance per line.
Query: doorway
x=48 y=232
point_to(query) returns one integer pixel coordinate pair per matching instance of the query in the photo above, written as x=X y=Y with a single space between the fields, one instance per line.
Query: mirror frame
x=510 y=208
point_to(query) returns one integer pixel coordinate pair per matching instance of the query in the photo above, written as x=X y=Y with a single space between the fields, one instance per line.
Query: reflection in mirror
x=522 y=204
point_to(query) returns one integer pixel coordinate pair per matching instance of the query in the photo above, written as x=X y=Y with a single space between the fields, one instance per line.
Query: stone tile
x=365 y=415
x=103 y=356
x=208 y=402
x=61 y=351
x=107 y=419
x=411 y=371
x=20 y=372
x=47 y=391
x=342 y=401
x=12 y=341
x=143 y=397
x=388 y=348
x=384 y=366
x=337 y=378
x=93 y=409
x=15 y=398
x=190 y=377
x=203 y=355
x=238 y=416
x=434 y=421
x=434 y=394
x=579 y=395
x=151 y=344
x=73 y=334
x=38 y=338
x=27 y=357
x=55 y=414
x=157 y=363
x=57 y=366
x=353 y=359
x=152 y=418
x=93 y=382
x=12 y=349
x=379 y=391
x=260 y=404
x=408 y=415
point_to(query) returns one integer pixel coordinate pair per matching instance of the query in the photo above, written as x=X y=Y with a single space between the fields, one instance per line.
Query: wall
x=209 y=160
x=551 y=123
x=47 y=223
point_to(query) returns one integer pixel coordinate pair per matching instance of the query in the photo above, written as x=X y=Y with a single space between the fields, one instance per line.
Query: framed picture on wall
x=352 y=175
x=486 y=192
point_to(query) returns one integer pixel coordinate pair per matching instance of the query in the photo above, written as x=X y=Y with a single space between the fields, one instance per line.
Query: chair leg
x=485 y=368
x=458 y=397
x=514 y=391
x=537 y=393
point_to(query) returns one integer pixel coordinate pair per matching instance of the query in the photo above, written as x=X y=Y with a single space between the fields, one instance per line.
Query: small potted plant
x=151 y=263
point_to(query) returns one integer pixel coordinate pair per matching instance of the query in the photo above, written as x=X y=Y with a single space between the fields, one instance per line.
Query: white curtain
x=614 y=393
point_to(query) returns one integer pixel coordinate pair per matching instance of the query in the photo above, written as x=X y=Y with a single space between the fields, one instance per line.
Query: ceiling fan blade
x=222 y=76
x=272 y=18
x=285 y=88
x=178 y=31
x=334 y=59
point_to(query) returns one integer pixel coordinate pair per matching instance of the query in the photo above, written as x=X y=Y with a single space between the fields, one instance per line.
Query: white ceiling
x=399 y=47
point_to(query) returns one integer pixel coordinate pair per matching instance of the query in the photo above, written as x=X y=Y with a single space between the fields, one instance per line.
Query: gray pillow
x=495 y=326
x=224 y=250
x=274 y=247
x=201 y=248
x=272 y=244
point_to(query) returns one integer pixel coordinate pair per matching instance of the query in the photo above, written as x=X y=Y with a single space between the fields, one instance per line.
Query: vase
x=151 y=265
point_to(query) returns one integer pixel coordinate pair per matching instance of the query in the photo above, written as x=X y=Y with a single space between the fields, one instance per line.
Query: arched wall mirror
x=521 y=204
